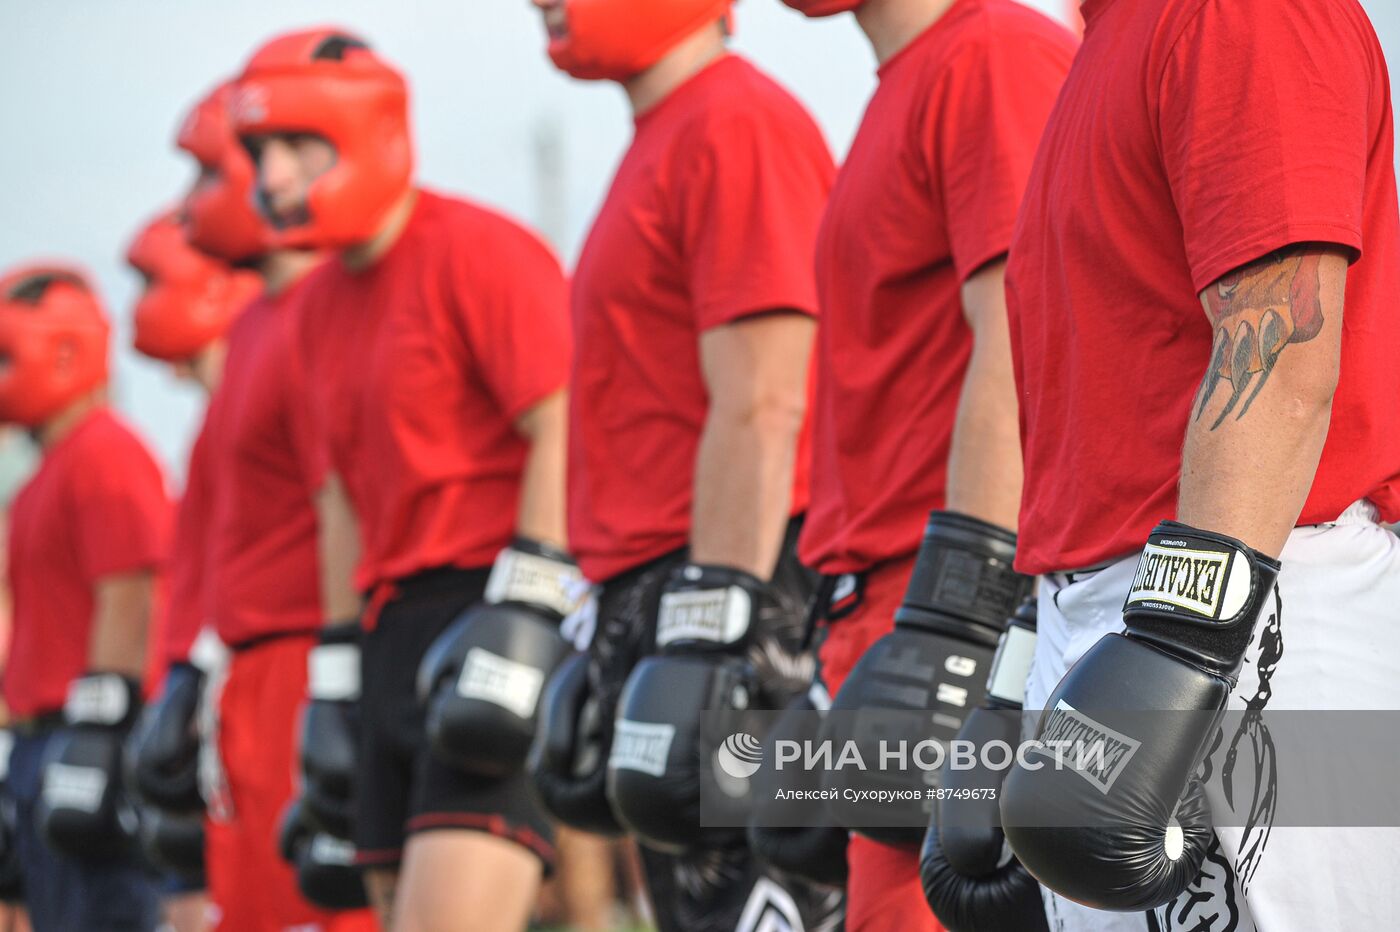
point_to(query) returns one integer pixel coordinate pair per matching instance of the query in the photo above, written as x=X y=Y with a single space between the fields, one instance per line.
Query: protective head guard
x=815 y=8
x=190 y=299
x=618 y=39
x=328 y=83
x=53 y=342
x=220 y=216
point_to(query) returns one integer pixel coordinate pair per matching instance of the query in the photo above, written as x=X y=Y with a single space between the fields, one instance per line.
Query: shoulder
x=124 y=455
x=747 y=104
x=1006 y=34
x=467 y=234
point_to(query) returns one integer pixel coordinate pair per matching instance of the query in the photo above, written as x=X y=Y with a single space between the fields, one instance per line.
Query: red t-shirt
x=926 y=197
x=96 y=507
x=188 y=571
x=1194 y=137
x=712 y=217
x=417 y=369
x=264 y=580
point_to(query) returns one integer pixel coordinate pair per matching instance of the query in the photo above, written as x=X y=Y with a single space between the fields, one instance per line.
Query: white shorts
x=1335 y=645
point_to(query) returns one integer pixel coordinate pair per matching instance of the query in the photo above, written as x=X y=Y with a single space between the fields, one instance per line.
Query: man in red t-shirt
x=1201 y=292
x=694 y=315
x=915 y=402
x=88 y=534
x=185 y=307
x=436 y=349
x=259 y=592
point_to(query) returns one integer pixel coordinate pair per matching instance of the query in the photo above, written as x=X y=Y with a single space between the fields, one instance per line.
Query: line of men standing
x=426 y=460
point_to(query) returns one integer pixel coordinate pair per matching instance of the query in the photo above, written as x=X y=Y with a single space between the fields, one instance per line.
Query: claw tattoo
x=1256 y=312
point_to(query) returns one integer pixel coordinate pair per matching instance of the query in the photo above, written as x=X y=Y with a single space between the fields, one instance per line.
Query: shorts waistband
x=421 y=585
x=40 y=723
x=261 y=640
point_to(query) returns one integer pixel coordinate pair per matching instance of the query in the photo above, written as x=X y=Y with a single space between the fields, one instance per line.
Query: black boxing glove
x=173 y=842
x=482 y=678
x=325 y=865
x=972 y=880
x=162 y=753
x=83 y=811
x=961 y=592
x=656 y=766
x=1128 y=830
x=11 y=873
x=567 y=759
x=781 y=831
x=329 y=728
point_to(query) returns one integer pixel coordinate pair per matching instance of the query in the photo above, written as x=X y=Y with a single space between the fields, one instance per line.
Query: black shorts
x=403 y=788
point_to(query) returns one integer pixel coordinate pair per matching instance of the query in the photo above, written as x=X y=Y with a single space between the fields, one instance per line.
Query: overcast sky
x=91 y=92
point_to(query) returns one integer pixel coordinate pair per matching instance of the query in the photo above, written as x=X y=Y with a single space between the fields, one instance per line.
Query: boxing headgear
x=190 y=299
x=328 y=83
x=618 y=39
x=219 y=215
x=53 y=342
x=815 y=8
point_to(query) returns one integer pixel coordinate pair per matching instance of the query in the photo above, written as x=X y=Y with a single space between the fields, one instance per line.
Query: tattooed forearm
x=1257 y=311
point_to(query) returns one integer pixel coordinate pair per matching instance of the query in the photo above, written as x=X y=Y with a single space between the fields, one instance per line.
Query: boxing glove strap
x=333 y=666
x=102 y=699
x=1198 y=593
x=208 y=654
x=964 y=572
x=533 y=573
x=707 y=607
x=1011 y=665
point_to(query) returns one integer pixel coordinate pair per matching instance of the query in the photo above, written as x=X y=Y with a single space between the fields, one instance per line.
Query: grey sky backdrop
x=91 y=92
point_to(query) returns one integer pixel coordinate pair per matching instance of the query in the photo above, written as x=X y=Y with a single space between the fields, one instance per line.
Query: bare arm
x=984 y=464
x=1261 y=415
x=121 y=620
x=756 y=374
x=338 y=549
x=545 y=425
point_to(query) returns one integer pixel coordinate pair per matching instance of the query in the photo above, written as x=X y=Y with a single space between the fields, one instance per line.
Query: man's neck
x=362 y=255
x=890 y=25
x=683 y=62
x=282 y=267
x=62 y=423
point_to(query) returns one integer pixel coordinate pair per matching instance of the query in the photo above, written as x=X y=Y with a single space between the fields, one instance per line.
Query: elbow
x=1310 y=392
x=775 y=414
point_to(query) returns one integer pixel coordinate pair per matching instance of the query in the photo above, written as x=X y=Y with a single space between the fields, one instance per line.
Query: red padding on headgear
x=53 y=337
x=619 y=39
x=220 y=214
x=189 y=300
x=327 y=82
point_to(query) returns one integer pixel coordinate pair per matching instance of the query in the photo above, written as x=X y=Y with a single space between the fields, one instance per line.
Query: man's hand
x=756 y=373
x=120 y=623
x=1261 y=415
x=338 y=549
x=545 y=425
x=984 y=463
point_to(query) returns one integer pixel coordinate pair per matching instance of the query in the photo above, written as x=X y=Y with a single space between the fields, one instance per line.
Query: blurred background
x=91 y=92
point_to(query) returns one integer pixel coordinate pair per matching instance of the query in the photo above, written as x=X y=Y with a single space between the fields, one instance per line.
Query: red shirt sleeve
x=750 y=209
x=982 y=128
x=1263 y=130
x=515 y=310
x=123 y=513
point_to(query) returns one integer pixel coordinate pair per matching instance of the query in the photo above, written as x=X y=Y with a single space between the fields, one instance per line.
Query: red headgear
x=618 y=39
x=219 y=213
x=190 y=299
x=327 y=82
x=53 y=342
x=816 y=8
